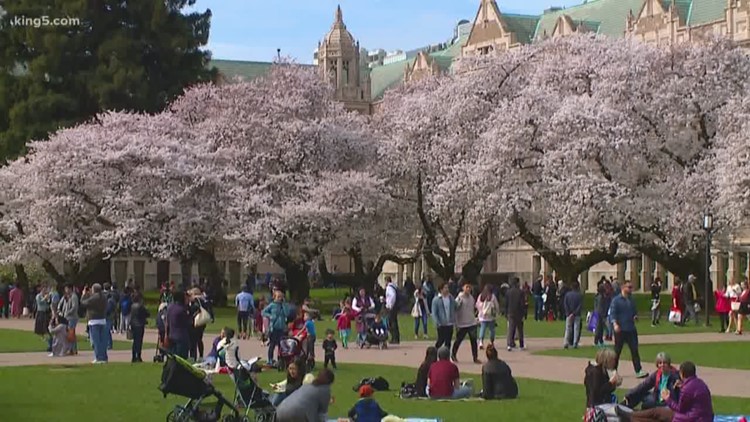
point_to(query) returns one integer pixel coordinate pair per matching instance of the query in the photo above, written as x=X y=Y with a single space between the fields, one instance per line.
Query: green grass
x=18 y=341
x=125 y=392
x=732 y=355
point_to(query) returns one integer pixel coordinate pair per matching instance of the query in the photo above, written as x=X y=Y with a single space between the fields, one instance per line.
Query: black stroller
x=249 y=395
x=178 y=377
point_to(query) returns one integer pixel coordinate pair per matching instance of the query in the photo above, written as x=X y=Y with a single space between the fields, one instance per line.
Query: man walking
x=392 y=305
x=624 y=314
x=245 y=303
x=444 y=315
x=514 y=313
x=537 y=290
x=572 y=304
x=466 y=322
x=689 y=296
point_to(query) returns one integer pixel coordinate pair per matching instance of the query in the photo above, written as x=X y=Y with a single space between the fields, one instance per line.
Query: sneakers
x=51 y=355
x=565 y=346
x=510 y=349
x=481 y=346
x=641 y=374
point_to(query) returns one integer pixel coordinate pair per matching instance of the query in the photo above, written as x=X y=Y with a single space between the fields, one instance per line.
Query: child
x=344 y=324
x=329 y=346
x=366 y=409
x=310 y=348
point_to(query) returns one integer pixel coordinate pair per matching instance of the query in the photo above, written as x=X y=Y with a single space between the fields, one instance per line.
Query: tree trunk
x=52 y=272
x=296 y=272
x=21 y=276
x=186 y=270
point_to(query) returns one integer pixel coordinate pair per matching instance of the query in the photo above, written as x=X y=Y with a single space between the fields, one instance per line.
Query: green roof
x=610 y=15
x=523 y=26
x=705 y=11
x=389 y=75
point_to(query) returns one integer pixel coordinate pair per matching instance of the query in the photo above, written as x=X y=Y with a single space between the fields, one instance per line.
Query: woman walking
x=42 y=319
x=198 y=306
x=487 y=310
x=420 y=312
x=733 y=293
x=16 y=297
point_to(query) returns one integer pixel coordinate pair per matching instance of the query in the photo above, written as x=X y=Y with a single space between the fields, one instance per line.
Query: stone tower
x=339 y=61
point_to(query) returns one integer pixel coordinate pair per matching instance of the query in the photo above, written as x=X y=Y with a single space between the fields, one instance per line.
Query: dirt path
x=723 y=382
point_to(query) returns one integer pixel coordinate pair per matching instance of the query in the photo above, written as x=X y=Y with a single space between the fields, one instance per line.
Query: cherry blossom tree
x=122 y=183
x=302 y=166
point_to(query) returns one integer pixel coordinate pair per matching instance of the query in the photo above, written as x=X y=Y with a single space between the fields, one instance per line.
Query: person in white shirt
x=391 y=304
x=733 y=294
x=466 y=322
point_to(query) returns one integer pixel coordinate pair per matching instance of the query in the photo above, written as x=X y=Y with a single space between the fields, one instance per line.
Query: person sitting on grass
x=692 y=404
x=648 y=393
x=295 y=374
x=309 y=403
x=424 y=371
x=58 y=329
x=366 y=409
x=443 y=378
x=601 y=379
x=497 y=379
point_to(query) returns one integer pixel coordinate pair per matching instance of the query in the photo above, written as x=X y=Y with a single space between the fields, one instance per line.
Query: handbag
x=697 y=307
x=735 y=306
x=202 y=318
x=593 y=322
x=675 y=315
x=129 y=334
x=71 y=336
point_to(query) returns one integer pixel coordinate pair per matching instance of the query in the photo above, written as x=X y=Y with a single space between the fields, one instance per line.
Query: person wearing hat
x=366 y=409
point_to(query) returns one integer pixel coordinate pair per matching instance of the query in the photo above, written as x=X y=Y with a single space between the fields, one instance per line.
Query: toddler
x=329 y=346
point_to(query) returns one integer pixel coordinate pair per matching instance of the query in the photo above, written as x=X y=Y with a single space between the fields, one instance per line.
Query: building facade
x=361 y=78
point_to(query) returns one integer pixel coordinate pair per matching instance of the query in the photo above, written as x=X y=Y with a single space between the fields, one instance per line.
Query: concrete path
x=723 y=382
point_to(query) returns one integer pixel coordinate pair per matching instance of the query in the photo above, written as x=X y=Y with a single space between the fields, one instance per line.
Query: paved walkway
x=723 y=382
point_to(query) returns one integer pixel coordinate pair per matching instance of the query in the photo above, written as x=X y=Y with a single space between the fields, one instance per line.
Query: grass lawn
x=17 y=341
x=125 y=392
x=732 y=355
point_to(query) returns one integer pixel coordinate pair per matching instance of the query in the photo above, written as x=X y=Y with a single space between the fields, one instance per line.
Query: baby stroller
x=178 y=377
x=290 y=349
x=249 y=395
x=376 y=336
x=364 y=322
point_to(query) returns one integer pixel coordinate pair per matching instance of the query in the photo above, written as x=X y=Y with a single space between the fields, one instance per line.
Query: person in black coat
x=424 y=370
x=600 y=378
x=497 y=379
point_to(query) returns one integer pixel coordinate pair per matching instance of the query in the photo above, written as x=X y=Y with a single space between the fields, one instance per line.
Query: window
x=485 y=50
x=346 y=72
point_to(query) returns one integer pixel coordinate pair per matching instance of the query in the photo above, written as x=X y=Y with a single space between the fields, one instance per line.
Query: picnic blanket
x=729 y=418
x=431 y=399
x=405 y=420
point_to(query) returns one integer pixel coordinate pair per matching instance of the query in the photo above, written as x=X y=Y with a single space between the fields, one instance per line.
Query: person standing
x=68 y=309
x=689 y=296
x=420 y=312
x=537 y=290
x=602 y=309
x=514 y=313
x=95 y=302
x=466 y=322
x=392 y=305
x=16 y=299
x=572 y=304
x=277 y=313
x=138 y=322
x=245 y=304
x=428 y=289
x=487 y=311
x=655 y=302
x=624 y=315
x=178 y=325
x=444 y=315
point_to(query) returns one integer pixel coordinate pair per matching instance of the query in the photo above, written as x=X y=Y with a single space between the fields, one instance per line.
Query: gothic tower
x=339 y=60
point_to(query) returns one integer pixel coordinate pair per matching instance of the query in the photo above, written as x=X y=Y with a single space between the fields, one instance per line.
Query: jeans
x=274 y=341
x=137 y=341
x=538 y=308
x=445 y=336
x=599 y=331
x=243 y=325
x=483 y=326
x=631 y=339
x=109 y=334
x=124 y=323
x=99 y=339
x=423 y=320
x=572 y=330
x=462 y=332
x=690 y=314
x=277 y=398
x=195 y=350
x=461 y=393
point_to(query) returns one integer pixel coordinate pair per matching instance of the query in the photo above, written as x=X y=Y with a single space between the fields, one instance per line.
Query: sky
x=252 y=30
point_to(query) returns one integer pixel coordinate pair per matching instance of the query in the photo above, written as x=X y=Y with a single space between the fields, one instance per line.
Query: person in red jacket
x=723 y=307
x=677 y=302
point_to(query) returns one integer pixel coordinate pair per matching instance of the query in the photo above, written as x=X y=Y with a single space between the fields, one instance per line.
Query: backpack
x=125 y=305
x=400 y=296
x=408 y=391
x=594 y=414
x=377 y=384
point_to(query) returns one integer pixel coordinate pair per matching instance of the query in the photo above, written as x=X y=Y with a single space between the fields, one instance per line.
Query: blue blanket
x=728 y=418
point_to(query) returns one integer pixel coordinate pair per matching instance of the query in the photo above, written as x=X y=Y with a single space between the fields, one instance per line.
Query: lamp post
x=708 y=225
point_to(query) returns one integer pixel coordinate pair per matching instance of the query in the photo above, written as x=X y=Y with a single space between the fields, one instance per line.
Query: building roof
x=704 y=11
x=523 y=26
x=607 y=16
x=230 y=69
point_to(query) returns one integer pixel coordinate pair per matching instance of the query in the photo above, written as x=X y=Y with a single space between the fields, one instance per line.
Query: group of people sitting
x=438 y=377
x=666 y=395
